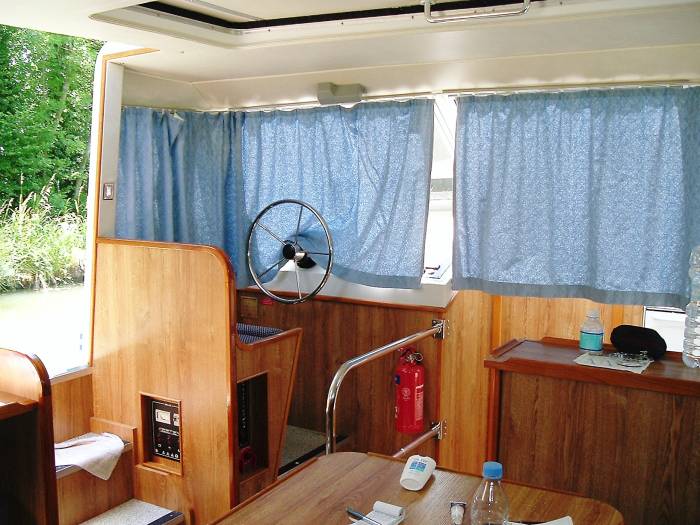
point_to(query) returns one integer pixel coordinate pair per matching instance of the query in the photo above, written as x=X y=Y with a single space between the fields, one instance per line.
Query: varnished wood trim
x=70 y=376
x=657 y=382
x=45 y=433
x=496 y=320
x=12 y=405
x=363 y=302
x=98 y=177
x=129 y=273
x=217 y=252
x=499 y=351
x=494 y=410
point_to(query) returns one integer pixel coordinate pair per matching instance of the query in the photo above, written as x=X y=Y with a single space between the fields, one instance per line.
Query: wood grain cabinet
x=27 y=469
x=624 y=438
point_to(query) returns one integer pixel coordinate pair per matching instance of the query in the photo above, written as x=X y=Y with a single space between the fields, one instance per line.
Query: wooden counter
x=12 y=405
x=553 y=357
x=625 y=438
x=320 y=493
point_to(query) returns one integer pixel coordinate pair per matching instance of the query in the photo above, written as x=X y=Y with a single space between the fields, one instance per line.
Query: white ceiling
x=551 y=28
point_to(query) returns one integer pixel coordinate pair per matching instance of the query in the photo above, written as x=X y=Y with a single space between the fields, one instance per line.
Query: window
x=669 y=322
x=438 y=241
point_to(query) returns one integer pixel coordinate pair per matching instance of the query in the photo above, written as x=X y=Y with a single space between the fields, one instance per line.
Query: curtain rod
x=534 y=88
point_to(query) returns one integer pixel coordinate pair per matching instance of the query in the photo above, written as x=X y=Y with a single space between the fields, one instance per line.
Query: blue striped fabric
x=250 y=333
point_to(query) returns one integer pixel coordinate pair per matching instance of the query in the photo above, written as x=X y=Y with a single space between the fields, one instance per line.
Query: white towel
x=96 y=453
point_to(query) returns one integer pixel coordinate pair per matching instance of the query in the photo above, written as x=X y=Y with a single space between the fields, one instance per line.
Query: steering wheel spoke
x=268 y=230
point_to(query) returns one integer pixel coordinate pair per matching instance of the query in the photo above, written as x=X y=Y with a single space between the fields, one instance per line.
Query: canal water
x=48 y=323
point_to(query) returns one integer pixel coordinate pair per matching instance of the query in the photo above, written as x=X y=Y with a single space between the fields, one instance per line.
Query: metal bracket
x=441 y=428
x=443 y=328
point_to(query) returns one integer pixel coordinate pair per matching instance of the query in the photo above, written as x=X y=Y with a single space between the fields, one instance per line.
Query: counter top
x=553 y=357
x=321 y=491
x=12 y=405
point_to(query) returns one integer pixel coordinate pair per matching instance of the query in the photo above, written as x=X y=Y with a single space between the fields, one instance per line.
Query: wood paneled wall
x=537 y=317
x=335 y=331
x=480 y=323
x=163 y=328
x=72 y=407
x=464 y=383
x=634 y=449
x=82 y=496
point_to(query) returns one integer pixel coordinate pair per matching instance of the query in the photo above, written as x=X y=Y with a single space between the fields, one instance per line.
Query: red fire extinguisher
x=410 y=380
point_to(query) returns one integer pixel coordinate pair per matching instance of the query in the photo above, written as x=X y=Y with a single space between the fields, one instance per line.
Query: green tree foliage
x=45 y=100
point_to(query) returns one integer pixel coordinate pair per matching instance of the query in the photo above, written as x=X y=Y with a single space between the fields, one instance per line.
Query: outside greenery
x=45 y=102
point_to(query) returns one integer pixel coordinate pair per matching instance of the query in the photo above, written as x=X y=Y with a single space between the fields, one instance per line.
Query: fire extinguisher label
x=419 y=403
x=405 y=394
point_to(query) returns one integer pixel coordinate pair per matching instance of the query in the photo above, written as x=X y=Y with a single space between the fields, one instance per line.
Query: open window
x=438 y=239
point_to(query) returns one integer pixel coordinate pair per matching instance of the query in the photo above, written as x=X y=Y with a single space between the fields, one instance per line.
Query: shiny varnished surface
x=464 y=382
x=615 y=436
x=277 y=358
x=555 y=358
x=480 y=322
x=163 y=328
x=12 y=405
x=538 y=317
x=27 y=468
x=72 y=407
x=320 y=493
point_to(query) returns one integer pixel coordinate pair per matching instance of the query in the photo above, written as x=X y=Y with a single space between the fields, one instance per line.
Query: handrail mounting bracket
x=443 y=331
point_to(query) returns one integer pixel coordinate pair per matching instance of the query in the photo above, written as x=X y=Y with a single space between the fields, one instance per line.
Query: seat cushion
x=250 y=333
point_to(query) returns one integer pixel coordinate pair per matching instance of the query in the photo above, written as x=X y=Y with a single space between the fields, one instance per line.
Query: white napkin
x=604 y=361
x=384 y=514
x=561 y=521
x=96 y=453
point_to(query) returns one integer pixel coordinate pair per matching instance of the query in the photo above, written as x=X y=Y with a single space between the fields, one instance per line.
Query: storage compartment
x=252 y=425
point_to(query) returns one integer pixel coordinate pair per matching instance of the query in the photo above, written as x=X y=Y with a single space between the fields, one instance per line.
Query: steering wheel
x=292 y=249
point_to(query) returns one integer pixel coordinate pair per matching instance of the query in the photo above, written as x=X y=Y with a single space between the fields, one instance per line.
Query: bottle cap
x=593 y=313
x=493 y=470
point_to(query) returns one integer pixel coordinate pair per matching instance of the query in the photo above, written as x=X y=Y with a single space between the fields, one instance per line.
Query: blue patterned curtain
x=579 y=194
x=172 y=174
x=202 y=178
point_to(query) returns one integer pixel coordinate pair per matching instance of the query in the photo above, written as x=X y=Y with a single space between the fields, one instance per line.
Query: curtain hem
x=377 y=281
x=571 y=291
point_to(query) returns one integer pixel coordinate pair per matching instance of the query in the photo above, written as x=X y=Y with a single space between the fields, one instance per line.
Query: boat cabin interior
x=324 y=237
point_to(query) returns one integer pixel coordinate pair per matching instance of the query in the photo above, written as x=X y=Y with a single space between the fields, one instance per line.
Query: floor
x=300 y=445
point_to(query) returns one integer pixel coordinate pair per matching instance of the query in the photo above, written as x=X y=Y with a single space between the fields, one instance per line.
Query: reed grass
x=39 y=249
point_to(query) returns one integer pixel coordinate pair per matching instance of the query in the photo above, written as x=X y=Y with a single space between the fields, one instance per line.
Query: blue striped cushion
x=250 y=333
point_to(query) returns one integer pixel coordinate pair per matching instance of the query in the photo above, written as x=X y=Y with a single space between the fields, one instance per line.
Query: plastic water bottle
x=490 y=503
x=691 y=339
x=591 y=337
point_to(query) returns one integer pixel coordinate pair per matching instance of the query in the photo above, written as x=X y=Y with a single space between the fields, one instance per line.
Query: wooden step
x=66 y=470
x=137 y=512
x=82 y=496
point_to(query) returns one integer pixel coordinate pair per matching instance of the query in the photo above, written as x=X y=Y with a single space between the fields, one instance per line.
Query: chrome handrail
x=436 y=330
x=427 y=5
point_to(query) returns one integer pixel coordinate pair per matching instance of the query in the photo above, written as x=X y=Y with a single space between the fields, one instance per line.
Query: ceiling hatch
x=224 y=22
